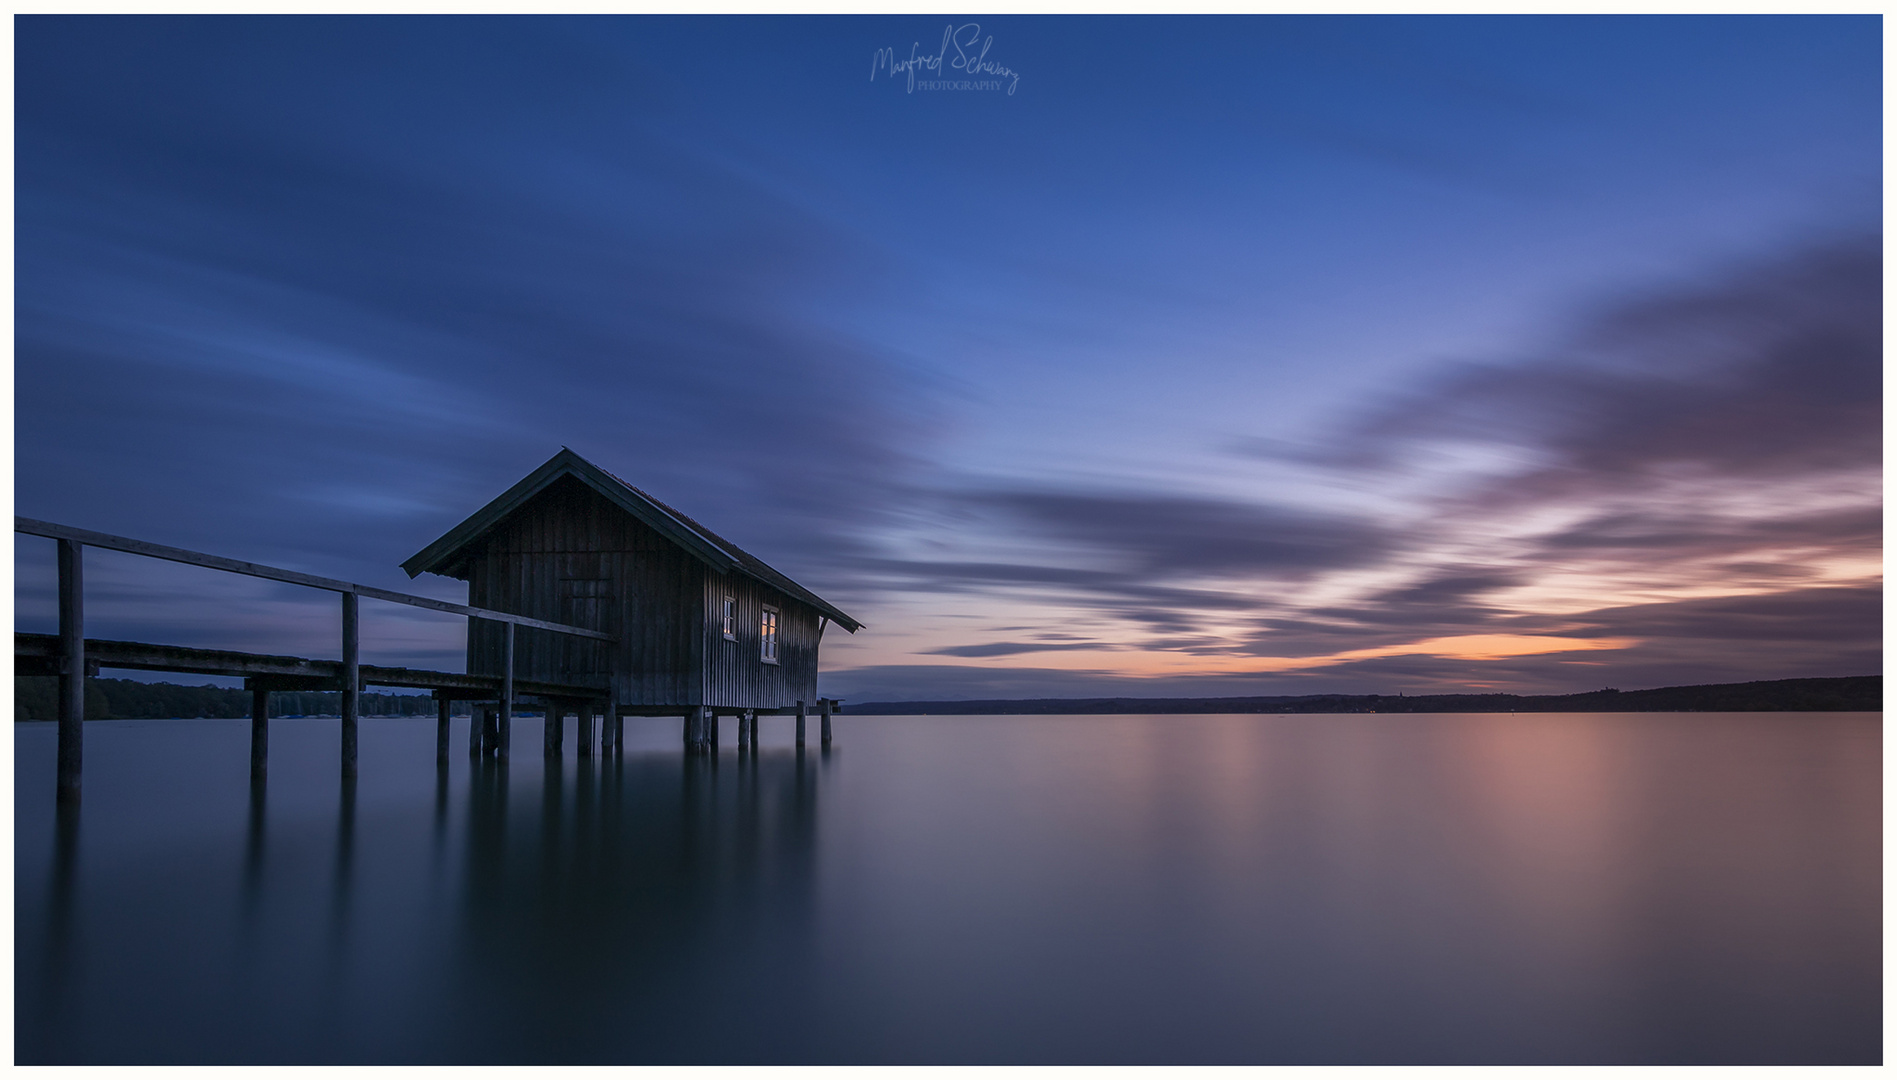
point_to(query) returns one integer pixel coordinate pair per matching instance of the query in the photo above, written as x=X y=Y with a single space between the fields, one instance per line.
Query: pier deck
x=39 y=654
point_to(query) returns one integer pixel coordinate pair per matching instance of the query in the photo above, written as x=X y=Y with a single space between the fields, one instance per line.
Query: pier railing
x=71 y=661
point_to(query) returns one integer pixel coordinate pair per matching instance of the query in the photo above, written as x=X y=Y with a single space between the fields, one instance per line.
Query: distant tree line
x=37 y=698
x=1856 y=693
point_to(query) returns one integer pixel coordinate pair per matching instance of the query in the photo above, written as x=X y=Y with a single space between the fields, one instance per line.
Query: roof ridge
x=715 y=551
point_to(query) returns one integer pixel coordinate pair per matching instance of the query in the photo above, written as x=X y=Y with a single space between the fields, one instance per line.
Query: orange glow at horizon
x=1459 y=647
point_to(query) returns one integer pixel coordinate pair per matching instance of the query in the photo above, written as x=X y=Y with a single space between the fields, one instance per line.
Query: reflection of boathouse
x=703 y=628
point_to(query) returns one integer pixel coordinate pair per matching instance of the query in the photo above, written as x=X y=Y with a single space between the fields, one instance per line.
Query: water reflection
x=556 y=911
x=643 y=889
x=1138 y=889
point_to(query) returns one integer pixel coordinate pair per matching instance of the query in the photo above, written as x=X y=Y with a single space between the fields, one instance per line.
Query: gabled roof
x=708 y=547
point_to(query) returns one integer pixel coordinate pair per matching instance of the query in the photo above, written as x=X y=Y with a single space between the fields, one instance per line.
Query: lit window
x=768 y=634
x=731 y=620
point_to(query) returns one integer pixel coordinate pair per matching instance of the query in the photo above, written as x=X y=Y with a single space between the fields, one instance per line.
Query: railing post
x=352 y=686
x=72 y=675
x=506 y=733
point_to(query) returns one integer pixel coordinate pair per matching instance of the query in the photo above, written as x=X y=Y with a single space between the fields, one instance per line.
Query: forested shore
x=1857 y=693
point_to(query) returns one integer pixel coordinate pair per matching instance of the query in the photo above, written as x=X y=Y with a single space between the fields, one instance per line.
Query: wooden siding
x=570 y=556
x=735 y=674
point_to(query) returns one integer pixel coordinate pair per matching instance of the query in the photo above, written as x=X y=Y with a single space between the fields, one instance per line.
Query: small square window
x=731 y=619
x=767 y=632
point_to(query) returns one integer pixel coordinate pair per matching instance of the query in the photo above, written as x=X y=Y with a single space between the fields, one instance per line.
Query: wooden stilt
x=823 y=705
x=352 y=685
x=583 y=733
x=259 y=733
x=802 y=709
x=608 y=732
x=477 y=730
x=72 y=674
x=619 y=731
x=711 y=732
x=442 y=705
x=555 y=711
x=699 y=737
x=506 y=732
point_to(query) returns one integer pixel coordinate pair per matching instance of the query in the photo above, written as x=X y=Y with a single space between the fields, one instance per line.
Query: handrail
x=293 y=577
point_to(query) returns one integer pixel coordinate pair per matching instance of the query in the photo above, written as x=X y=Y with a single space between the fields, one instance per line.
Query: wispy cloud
x=1706 y=455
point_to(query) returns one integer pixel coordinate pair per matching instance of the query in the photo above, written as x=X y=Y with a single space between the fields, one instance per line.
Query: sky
x=1154 y=357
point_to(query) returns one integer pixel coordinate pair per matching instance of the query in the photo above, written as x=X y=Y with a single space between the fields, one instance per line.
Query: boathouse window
x=731 y=619
x=768 y=635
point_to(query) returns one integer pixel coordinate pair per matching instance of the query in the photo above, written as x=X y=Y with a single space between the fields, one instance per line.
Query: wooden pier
x=581 y=690
x=71 y=656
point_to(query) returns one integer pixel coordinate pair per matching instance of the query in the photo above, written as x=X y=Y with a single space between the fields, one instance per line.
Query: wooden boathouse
x=586 y=595
x=701 y=628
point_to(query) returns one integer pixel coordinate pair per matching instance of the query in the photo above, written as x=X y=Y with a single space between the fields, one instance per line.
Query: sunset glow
x=1318 y=355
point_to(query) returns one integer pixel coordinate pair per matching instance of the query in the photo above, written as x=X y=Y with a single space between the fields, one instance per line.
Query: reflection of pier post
x=441 y=803
x=60 y=1008
x=72 y=674
x=343 y=873
x=253 y=843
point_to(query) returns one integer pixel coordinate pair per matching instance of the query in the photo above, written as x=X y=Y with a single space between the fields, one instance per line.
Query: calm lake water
x=1452 y=888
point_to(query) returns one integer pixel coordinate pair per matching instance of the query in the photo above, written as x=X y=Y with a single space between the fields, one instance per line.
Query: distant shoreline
x=1854 y=693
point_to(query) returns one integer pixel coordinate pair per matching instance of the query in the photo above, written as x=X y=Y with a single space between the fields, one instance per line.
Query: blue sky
x=1223 y=355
